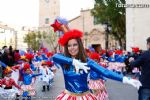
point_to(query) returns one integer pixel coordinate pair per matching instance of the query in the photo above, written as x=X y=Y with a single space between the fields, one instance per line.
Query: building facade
x=94 y=34
x=48 y=11
x=137 y=24
x=8 y=36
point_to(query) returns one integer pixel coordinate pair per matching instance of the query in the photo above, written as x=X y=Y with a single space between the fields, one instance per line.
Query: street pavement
x=116 y=90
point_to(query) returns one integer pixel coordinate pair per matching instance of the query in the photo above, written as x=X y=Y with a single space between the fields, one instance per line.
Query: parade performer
x=46 y=77
x=96 y=82
x=75 y=66
x=7 y=83
x=19 y=70
x=28 y=89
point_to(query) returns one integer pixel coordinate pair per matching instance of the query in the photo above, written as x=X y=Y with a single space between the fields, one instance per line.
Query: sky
x=25 y=12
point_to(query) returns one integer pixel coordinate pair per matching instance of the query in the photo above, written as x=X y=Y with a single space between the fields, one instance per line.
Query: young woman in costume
x=75 y=65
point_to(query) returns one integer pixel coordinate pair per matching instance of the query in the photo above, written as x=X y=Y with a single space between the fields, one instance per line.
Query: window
x=46 y=20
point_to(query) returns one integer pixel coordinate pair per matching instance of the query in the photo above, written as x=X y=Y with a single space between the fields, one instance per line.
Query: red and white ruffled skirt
x=28 y=88
x=99 y=86
x=67 y=95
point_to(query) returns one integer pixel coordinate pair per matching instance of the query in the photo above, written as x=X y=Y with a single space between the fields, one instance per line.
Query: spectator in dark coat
x=143 y=61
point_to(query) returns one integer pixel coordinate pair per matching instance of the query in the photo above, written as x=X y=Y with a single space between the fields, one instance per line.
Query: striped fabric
x=102 y=95
x=66 y=96
x=116 y=66
x=99 y=87
x=96 y=84
x=28 y=88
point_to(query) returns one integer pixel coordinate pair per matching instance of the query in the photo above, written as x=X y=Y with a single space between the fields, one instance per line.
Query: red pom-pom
x=110 y=53
x=29 y=56
x=135 y=49
x=72 y=34
x=119 y=52
x=95 y=56
x=49 y=63
x=103 y=52
x=39 y=53
x=49 y=54
x=26 y=66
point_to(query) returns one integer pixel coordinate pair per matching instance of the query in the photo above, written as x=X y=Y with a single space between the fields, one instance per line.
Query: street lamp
x=108 y=29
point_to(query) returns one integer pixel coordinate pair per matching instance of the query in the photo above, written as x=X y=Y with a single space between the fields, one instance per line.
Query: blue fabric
x=59 y=58
x=25 y=94
x=21 y=52
x=33 y=67
x=77 y=82
x=110 y=59
x=37 y=58
x=105 y=72
x=119 y=58
x=74 y=82
x=95 y=76
x=3 y=64
x=44 y=57
x=27 y=78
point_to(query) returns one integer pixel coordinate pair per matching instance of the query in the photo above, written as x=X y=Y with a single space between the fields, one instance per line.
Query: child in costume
x=7 y=83
x=46 y=77
x=28 y=89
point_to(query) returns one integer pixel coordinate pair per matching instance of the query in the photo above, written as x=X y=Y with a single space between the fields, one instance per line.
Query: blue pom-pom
x=25 y=94
x=62 y=20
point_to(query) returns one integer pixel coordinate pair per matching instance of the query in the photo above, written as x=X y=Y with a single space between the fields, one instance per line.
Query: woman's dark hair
x=81 y=54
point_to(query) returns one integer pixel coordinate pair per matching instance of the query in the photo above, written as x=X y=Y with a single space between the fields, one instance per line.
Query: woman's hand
x=133 y=82
x=79 y=65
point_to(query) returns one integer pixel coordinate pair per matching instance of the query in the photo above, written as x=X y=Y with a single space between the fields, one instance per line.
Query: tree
x=52 y=38
x=108 y=11
x=32 y=39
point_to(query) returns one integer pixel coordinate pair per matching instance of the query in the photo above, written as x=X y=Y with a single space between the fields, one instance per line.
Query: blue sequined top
x=77 y=82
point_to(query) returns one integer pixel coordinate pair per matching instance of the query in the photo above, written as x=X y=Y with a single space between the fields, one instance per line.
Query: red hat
x=95 y=56
x=49 y=63
x=26 y=66
x=49 y=54
x=39 y=53
x=103 y=52
x=119 y=52
x=135 y=49
x=7 y=71
x=72 y=34
x=110 y=53
x=68 y=34
x=29 y=56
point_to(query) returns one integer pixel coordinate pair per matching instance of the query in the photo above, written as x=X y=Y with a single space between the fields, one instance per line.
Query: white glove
x=79 y=65
x=133 y=82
